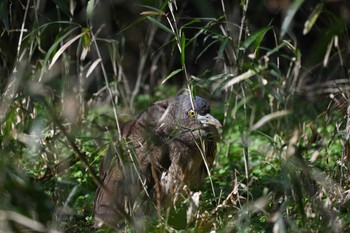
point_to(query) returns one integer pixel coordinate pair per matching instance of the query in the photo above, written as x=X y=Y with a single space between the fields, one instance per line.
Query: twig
x=59 y=168
x=93 y=38
x=22 y=29
x=81 y=155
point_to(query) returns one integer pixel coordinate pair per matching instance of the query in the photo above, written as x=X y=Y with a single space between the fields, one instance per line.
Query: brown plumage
x=164 y=148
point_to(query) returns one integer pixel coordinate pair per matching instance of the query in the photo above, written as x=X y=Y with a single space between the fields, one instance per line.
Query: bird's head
x=194 y=113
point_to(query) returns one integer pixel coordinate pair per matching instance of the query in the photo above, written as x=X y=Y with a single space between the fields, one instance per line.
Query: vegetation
x=277 y=76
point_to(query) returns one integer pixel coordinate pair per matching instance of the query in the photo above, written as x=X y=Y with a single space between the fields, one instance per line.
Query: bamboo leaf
x=289 y=16
x=160 y=25
x=55 y=45
x=171 y=75
x=63 y=48
x=256 y=38
x=92 y=67
x=312 y=18
x=205 y=49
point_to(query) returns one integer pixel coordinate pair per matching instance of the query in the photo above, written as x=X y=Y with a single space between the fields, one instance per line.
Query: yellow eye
x=192 y=113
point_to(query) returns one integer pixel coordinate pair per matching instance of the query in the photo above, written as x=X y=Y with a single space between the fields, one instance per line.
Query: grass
x=73 y=76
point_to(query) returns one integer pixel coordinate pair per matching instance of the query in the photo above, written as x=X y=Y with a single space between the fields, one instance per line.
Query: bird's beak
x=209 y=120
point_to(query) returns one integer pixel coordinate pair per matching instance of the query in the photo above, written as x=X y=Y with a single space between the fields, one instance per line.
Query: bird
x=167 y=148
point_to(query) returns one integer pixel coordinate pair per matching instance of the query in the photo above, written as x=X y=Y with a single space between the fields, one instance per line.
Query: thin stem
x=22 y=31
x=107 y=85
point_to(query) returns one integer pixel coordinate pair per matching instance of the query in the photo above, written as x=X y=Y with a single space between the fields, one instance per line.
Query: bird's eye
x=191 y=113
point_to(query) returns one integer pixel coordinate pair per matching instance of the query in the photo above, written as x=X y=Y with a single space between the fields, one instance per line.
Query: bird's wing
x=105 y=196
x=119 y=173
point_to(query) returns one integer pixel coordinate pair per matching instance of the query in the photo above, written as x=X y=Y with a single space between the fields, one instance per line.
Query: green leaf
x=183 y=47
x=131 y=25
x=312 y=18
x=256 y=38
x=160 y=25
x=222 y=47
x=289 y=16
x=276 y=49
x=205 y=49
x=171 y=75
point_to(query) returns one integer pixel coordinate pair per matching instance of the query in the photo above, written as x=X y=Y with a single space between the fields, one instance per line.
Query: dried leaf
x=269 y=117
x=63 y=48
x=92 y=67
x=240 y=78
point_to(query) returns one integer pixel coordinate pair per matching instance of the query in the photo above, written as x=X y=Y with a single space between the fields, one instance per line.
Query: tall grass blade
x=289 y=16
